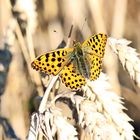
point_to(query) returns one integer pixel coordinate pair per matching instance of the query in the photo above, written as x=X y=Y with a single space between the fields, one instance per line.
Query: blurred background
x=29 y=28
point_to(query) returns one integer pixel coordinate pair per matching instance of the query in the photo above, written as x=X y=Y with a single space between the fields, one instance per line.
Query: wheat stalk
x=51 y=123
x=99 y=112
x=27 y=10
x=128 y=57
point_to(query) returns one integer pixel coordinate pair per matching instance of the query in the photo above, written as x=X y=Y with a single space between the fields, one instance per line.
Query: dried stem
x=128 y=57
x=43 y=103
x=27 y=57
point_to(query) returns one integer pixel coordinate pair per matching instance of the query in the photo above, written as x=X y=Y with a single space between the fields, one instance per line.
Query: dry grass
x=99 y=114
x=29 y=28
x=128 y=57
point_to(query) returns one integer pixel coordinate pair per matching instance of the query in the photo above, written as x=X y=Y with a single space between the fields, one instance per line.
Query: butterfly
x=74 y=64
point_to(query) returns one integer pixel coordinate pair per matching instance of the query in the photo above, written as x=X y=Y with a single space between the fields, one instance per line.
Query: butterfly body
x=76 y=64
x=80 y=61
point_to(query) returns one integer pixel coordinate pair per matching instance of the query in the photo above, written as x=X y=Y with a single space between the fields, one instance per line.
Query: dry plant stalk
x=99 y=112
x=53 y=80
x=128 y=57
x=27 y=12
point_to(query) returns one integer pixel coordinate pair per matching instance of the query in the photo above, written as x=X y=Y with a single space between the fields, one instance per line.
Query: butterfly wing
x=71 y=78
x=94 y=49
x=95 y=66
x=95 y=44
x=52 y=62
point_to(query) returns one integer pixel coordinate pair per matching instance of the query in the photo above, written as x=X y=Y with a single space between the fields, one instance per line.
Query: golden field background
x=29 y=28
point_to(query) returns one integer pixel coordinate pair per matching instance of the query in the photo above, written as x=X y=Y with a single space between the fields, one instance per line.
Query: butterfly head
x=76 y=44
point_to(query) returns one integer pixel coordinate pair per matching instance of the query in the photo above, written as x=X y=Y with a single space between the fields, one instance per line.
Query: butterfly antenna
x=70 y=31
x=74 y=42
x=83 y=24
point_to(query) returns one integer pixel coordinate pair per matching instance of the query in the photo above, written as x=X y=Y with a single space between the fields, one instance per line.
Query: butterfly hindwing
x=71 y=78
x=95 y=66
x=52 y=62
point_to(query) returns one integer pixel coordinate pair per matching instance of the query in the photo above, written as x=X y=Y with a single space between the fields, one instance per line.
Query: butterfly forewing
x=52 y=62
x=95 y=44
x=71 y=78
